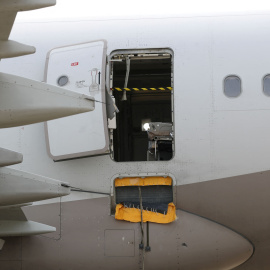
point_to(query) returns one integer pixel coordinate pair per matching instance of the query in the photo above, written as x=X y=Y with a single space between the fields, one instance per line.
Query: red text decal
x=74 y=64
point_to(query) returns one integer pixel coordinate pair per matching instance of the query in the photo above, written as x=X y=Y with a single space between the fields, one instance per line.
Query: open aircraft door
x=80 y=68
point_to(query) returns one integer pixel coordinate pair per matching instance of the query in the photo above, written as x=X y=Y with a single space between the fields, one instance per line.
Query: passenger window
x=232 y=86
x=141 y=84
x=266 y=85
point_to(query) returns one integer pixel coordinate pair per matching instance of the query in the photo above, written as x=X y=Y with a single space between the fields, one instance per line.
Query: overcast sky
x=143 y=8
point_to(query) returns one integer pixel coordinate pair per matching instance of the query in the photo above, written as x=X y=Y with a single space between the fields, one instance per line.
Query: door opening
x=141 y=83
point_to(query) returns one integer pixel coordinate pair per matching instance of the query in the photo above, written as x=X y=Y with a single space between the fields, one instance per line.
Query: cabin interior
x=141 y=84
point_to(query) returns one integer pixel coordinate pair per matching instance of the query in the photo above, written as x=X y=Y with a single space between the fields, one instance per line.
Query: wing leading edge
x=23 y=102
x=8 y=12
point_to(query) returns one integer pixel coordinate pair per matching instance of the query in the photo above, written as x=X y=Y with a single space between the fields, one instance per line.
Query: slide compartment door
x=80 y=68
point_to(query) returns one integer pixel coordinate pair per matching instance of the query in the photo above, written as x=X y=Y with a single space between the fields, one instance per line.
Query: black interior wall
x=130 y=142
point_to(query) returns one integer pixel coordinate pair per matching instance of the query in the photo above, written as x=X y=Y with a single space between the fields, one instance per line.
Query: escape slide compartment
x=80 y=68
x=149 y=198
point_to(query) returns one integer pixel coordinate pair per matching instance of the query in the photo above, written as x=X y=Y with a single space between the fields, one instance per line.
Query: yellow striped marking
x=143 y=89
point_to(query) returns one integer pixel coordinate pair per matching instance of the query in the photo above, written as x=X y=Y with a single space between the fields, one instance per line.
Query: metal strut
x=126 y=78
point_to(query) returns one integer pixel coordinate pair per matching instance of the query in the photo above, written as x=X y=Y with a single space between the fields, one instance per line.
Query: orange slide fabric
x=134 y=214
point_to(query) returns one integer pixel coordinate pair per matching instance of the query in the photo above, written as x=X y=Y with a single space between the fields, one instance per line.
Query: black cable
x=141 y=207
x=116 y=109
x=89 y=191
x=147 y=248
x=147 y=233
x=101 y=102
x=83 y=190
x=142 y=240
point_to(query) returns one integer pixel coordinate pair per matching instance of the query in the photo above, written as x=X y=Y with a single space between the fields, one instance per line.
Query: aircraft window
x=62 y=81
x=232 y=86
x=266 y=85
x=141 y=84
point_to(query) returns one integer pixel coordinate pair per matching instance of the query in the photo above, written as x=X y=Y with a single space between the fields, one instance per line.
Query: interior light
x=146 y=126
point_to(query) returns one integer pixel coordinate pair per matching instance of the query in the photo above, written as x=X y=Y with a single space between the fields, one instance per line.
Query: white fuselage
x=215 y=136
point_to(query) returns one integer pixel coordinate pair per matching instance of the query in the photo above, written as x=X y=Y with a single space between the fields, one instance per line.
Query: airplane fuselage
x=220 y=160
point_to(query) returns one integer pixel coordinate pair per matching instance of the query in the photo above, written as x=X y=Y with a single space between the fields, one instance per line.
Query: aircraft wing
x=8 y=12
x=24 y=101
